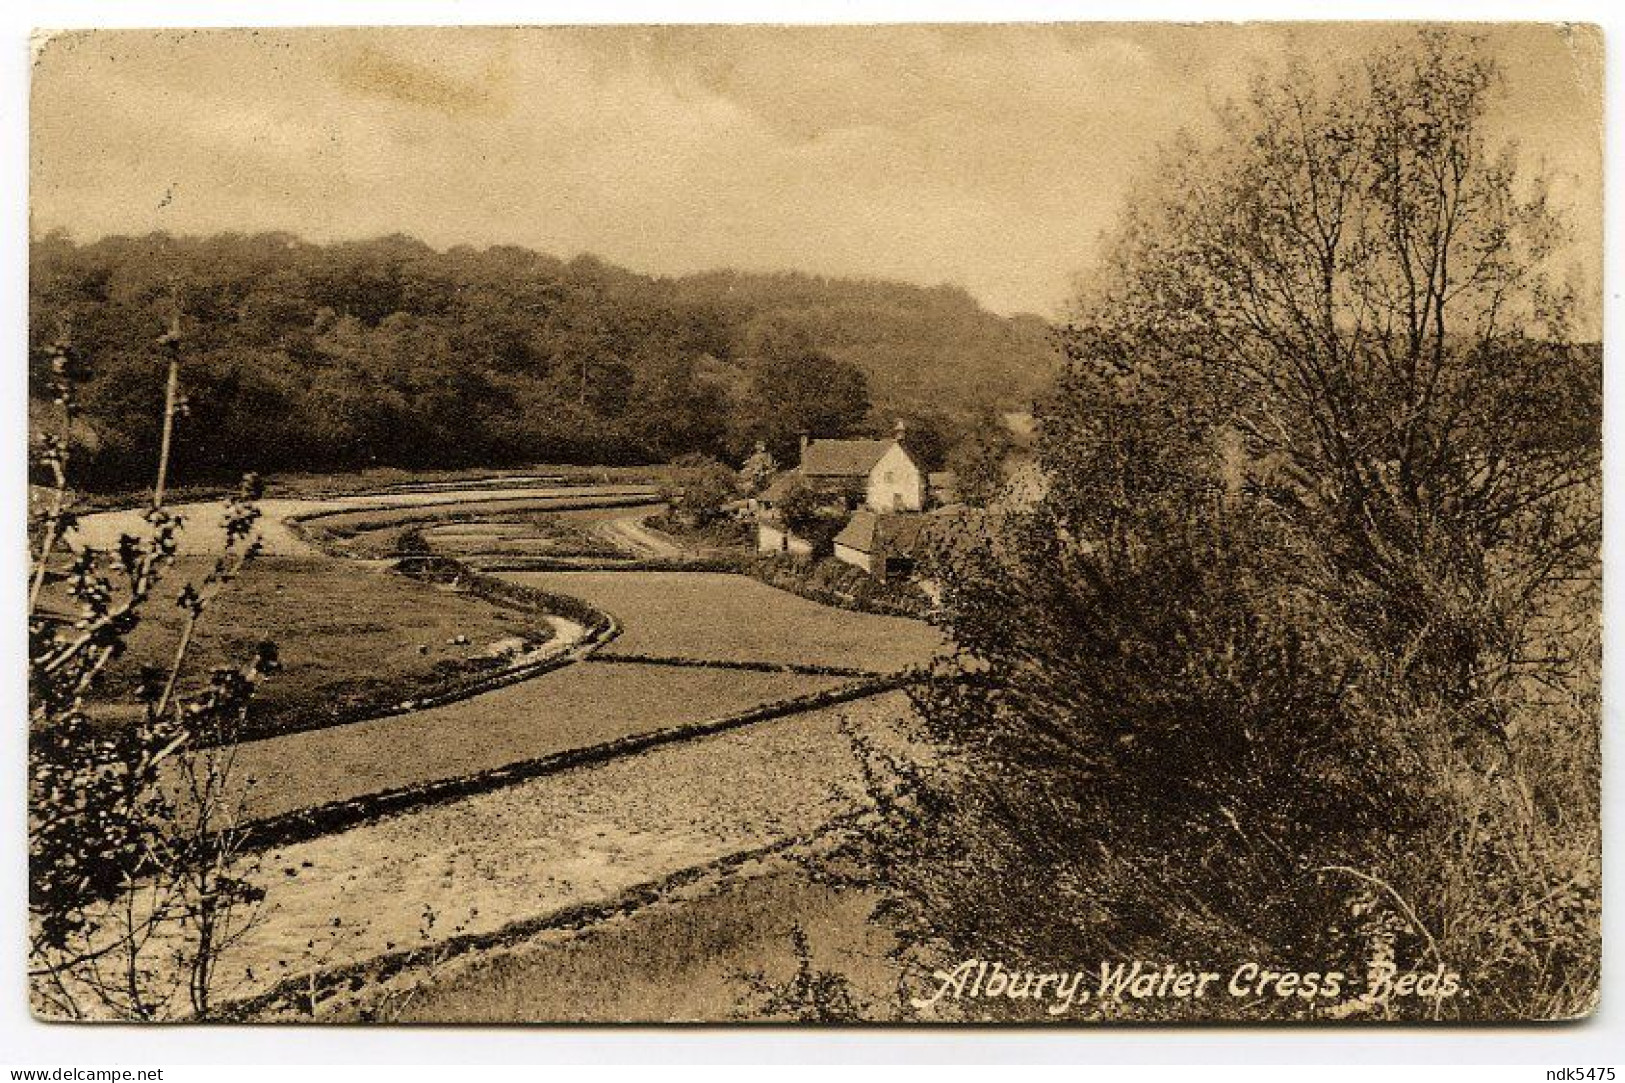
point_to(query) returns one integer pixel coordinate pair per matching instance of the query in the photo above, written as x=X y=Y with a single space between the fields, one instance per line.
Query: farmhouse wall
x=895 y=483
x=855 y=557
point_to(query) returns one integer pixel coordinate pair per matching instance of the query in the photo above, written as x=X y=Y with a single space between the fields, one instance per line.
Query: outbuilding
x=882 y=545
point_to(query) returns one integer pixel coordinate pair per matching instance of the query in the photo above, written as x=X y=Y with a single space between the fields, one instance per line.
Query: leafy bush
x=138 y=881
x=410 y=542
x=836 y=583
x=1260 y=676
x=706 y=490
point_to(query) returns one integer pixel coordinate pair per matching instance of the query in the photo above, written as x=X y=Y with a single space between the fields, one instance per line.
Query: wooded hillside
x=387 y=352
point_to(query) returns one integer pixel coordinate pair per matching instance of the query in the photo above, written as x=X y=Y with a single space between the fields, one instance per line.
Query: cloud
x=991 y=157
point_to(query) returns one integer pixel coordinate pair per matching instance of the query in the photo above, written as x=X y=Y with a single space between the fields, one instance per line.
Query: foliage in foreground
x=138 y=883
x=1295 y=662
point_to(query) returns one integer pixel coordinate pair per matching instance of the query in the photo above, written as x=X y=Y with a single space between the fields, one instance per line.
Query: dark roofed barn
x=883 y=545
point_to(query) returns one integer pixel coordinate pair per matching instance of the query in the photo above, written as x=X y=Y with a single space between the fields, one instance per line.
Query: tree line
x=386 y=352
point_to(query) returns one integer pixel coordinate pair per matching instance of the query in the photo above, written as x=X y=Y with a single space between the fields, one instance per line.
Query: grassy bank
x=689 y=959
x=348 y=638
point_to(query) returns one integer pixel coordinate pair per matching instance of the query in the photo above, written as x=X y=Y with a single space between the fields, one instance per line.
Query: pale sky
x=987 y=157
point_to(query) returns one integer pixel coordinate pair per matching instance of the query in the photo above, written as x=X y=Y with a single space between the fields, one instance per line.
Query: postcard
x=1054 y=524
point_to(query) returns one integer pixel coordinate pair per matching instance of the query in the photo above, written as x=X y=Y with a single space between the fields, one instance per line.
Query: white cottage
x=881 y=472
x=871 y=477
x=896 y=482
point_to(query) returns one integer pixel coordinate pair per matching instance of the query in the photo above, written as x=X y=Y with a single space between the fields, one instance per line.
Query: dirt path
x=629 y=533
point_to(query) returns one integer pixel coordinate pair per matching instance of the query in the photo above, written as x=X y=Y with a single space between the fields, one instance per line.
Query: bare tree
x=136 y=836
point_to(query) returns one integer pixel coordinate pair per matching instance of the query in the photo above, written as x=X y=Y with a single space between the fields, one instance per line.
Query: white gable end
x=896 y=482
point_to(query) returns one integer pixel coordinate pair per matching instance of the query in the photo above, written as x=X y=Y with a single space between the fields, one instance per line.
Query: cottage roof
x=859 y=534
x=843 y=458
x=871 y=532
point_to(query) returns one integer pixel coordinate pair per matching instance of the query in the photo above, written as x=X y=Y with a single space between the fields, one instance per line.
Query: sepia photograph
x=1055 y=524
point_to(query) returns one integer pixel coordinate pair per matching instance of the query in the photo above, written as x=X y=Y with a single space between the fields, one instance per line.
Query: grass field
x=735 y=618
x=348 y=637
x=681 y=961
x=573 y=707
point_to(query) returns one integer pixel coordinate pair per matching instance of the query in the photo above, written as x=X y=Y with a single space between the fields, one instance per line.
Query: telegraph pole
x=171 y=342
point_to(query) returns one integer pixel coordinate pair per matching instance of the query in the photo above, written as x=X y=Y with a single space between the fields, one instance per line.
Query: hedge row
x=835 y=583
x=805 y=669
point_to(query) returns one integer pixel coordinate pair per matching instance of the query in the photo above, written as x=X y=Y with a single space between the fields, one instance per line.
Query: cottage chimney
x=899 y=430
x=803 y=446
